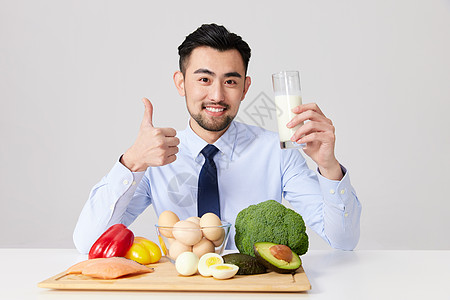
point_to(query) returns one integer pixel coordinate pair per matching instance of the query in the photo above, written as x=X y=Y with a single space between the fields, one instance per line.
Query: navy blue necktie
x=208 y=190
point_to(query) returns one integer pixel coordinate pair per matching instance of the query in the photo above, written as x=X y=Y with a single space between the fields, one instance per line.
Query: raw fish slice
x=109 y=268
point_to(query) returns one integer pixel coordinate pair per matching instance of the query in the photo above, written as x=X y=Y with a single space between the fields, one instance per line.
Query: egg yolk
x=223 y=268
x=212 y=261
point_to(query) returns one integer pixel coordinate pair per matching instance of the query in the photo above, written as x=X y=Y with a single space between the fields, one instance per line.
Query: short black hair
x=216 y=37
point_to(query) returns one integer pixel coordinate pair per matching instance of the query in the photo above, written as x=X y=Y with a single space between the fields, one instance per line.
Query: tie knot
x=209 y=151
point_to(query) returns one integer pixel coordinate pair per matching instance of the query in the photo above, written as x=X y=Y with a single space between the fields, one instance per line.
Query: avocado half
x=265 y=257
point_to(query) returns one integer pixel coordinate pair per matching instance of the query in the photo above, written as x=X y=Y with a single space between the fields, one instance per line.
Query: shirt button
x=342 y=191
x=133 y=183
x=111 y=207
x=125 y=182
x=346 y=215
x=332 y=191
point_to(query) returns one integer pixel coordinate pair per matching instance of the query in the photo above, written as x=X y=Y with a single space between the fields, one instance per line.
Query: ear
x=247 y=83
x=178 y=79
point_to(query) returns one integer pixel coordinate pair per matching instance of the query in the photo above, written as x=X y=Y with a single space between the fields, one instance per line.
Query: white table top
x=333 y=274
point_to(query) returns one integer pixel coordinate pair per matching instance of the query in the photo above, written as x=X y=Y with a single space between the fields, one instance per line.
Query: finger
x=170 y=159
x=148 y=113
x=322 y=137
x=311 y=127
x=172 y=151
x=168 y=132
x=308 y=115
x=308 y=106
x=172 y=141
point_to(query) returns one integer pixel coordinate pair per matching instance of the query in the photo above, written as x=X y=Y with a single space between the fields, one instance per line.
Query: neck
x=208 y=136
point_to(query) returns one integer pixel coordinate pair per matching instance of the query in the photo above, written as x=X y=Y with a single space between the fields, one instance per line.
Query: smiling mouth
x=214 y=109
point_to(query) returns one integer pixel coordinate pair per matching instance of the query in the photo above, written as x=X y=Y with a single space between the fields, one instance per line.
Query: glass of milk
x=286 y=87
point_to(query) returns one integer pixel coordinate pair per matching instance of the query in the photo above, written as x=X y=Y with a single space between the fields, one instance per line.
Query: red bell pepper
x=115 y=241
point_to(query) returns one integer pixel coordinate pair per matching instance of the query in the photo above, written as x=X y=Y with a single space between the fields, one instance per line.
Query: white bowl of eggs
x=207 y=234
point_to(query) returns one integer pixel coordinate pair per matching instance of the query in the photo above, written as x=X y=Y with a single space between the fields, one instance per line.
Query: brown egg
x=195 y=220
x=203 y=247
x=167 y=218
x=209 y=220
x=187 y=232
x=176 y=248
x=219 y=241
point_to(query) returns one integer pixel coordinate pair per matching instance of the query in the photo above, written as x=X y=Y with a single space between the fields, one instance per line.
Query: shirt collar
x=225 y=144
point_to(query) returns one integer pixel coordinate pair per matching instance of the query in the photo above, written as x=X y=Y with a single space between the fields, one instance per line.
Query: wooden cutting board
x=166 y=278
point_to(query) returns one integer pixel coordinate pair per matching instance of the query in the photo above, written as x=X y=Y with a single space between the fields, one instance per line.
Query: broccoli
x=270 y=221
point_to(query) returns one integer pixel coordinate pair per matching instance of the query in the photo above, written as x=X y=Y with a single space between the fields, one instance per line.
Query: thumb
x=148 y=114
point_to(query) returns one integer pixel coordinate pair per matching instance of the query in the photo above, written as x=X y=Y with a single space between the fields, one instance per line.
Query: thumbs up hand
x=153 y=146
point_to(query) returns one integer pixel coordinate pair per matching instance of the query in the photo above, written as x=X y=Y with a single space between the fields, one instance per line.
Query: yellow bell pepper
x=144 y=251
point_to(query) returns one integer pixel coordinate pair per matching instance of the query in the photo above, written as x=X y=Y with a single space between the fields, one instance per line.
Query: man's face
x=214 y=85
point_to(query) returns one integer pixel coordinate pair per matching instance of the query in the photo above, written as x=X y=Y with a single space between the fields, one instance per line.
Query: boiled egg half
x=206 y=261
x=223 y=271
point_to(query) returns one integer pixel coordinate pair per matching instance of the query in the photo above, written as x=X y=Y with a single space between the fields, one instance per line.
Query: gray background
x=73 y=74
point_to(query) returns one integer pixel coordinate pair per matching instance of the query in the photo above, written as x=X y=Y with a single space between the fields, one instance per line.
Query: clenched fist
x=153 y=146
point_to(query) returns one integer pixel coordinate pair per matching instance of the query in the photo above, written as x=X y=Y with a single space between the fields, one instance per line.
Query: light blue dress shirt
x=251 y=168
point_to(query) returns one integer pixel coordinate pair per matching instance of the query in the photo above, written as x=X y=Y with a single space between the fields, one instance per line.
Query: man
x=249 y=163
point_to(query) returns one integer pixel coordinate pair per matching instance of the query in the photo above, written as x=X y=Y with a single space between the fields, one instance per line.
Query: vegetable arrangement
x=119 y=241
x=274 y=234
x=270 y=221
x=117 y=253
x=269 y=236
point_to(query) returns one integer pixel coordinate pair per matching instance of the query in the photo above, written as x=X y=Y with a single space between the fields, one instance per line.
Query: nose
x=217 y=93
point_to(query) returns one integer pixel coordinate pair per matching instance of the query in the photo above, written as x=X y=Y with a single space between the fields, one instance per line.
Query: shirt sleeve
x=118 y=198
x=329 y=207
x=342 y=211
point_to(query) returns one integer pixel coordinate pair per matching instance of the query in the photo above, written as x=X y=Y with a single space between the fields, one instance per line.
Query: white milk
x=285 y=104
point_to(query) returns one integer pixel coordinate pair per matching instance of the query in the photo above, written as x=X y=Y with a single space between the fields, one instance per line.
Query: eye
x=230 y=82
x=204 y=79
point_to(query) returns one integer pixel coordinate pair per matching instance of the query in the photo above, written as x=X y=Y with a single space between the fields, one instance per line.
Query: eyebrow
x=209 y=72
x=233 y=74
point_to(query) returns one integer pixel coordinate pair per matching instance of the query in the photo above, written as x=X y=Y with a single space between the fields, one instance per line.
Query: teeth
x=214 y=109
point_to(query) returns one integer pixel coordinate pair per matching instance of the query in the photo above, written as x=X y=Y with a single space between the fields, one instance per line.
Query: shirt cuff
x=123 y=184
x=121 y=180
x=337 y=192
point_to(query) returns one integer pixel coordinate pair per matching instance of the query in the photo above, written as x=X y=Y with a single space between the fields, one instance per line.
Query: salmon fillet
x=108 y=268
x=78 y=268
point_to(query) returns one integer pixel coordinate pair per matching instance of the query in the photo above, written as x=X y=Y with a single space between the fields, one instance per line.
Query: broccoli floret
x=270 y=221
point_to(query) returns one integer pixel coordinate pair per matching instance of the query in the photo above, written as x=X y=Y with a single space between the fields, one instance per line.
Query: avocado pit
x=281 y=252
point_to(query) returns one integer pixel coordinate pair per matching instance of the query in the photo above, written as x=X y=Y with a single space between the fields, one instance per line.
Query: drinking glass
x=286 y=87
